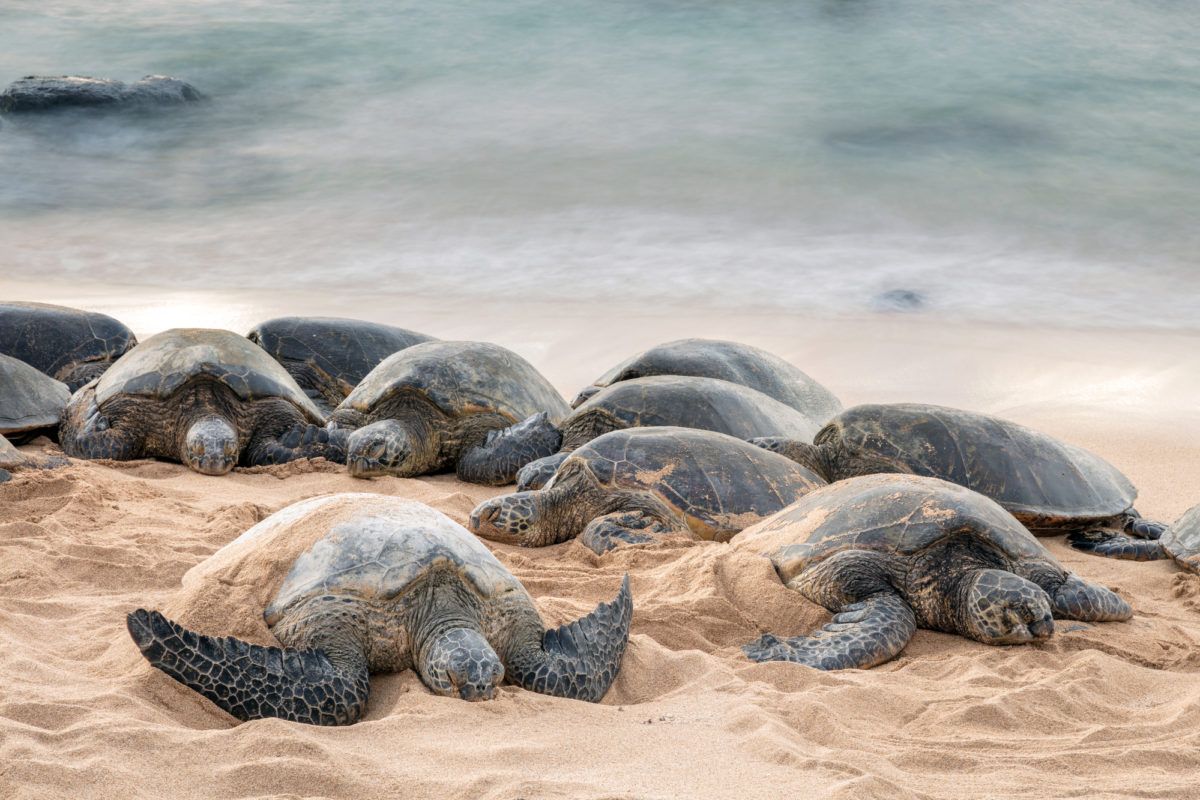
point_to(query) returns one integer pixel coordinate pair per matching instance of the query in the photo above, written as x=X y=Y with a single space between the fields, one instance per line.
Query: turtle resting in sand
x=67 y=344
x=1051 y=486
x=208 y=398
x=428 y=408
x=31 y=404
x=393 y=585
x=660 y=400
x=1181 y=541
x=634 y=485
x=727 y=361
x=888 y=554
x=328 y=357
x=35 y=93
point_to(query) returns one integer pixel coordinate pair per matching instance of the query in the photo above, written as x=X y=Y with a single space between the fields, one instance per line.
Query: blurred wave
x=1013 y=160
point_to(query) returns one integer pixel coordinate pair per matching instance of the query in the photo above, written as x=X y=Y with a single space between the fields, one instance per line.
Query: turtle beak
x=211 y=446
x=380 y=448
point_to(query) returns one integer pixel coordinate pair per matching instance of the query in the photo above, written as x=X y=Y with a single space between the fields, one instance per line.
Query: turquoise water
x=1014 y=160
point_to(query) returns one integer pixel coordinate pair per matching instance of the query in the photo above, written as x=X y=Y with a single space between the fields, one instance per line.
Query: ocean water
x=1013 y=160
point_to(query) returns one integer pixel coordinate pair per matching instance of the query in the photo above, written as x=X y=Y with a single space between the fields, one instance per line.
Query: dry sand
x=1110 y=710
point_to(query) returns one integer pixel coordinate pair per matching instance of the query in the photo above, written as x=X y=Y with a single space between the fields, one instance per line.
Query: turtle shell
x=344 y=349
x=1031 y=474
x=718 y=483
x=1182 y=540
x=461 y=378
x=160 y=366
x=55 y=339
x=702 y=403
x=377 y=547
x=29 y=399
x=900 y=515
x=728 y=361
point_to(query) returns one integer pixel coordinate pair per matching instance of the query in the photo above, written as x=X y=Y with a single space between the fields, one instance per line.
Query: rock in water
x=899 y=300
x=35 y=93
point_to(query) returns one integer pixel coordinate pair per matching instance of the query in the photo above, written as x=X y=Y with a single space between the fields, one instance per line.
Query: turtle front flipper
x=115 y=433
x=537 y=474
x=1077 y=599
x=579 y=660
x=626 y=527
x=505 y=451
x=254 y=682
x=861 y=635
x=299 y=441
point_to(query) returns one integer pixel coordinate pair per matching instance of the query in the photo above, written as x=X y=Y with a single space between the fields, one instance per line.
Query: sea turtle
x=327 y=356
x=660 y=400
x=208 y=398
x=1050 y=486
x=727 y=361
x=427 y=408
x=31 y=404
x=633 y=485
x=1181 y=541
x=42 y=93
x=888 y=554
x=391 y=584
x=67 y=344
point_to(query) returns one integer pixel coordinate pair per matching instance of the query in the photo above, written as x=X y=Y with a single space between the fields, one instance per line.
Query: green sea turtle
x=67 y=344
x=208 y=398
x=327 y=356
x=1050 y=486
x=428 y=408
x=633 y=485
x=31 y=404
x=727 y=361
x=391 y=584
x=888 y=554
x=1181 y=541
x=679 y=401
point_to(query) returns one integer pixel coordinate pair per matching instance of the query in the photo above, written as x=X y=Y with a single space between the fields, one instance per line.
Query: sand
x=1108 y=710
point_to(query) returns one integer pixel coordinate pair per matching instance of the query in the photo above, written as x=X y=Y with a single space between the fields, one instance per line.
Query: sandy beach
x=1100 y=711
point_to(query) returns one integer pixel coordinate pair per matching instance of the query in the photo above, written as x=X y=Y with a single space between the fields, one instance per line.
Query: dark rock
x=45 y=94
x=899 y=300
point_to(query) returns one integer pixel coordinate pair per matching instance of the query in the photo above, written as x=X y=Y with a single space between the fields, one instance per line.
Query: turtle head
x=459 y=662
x=998 y=607
x=511 y=518
x=210 y=446
x=381 y=448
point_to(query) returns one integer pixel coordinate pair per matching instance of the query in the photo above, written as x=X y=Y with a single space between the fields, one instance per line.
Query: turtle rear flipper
x=1113 y=544
x=1135 y=524
x=251 y=681
x=861 y=635
x=579 y=660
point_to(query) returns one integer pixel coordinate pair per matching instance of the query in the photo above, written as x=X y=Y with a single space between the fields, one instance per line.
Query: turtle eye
x=101 y=424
